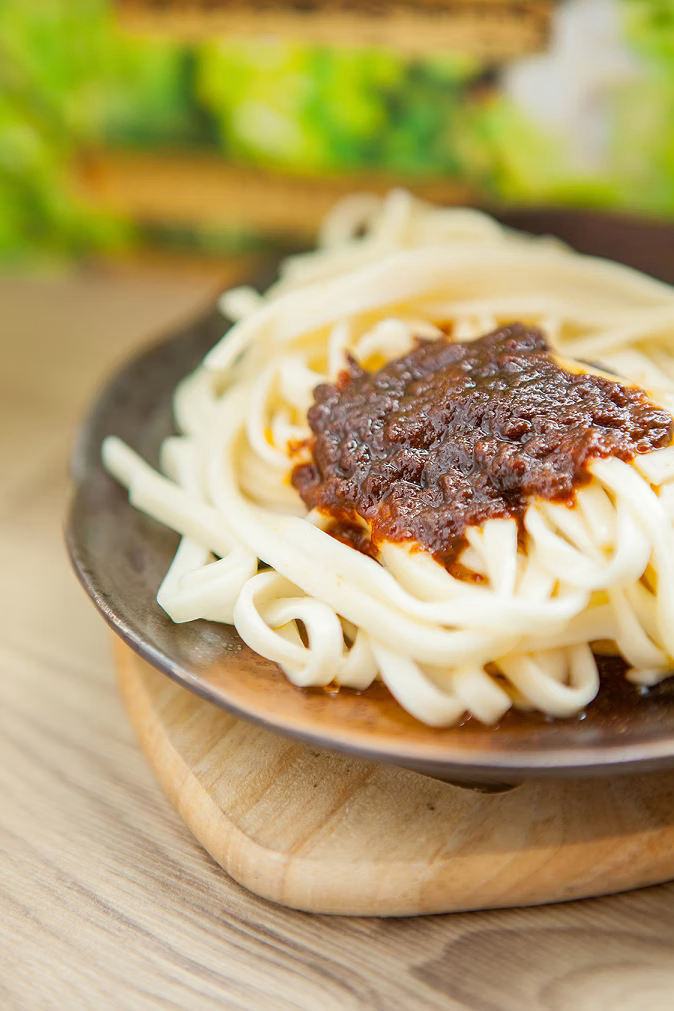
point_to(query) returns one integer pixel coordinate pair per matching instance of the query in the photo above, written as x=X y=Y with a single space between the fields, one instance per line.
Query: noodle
x=600 y=574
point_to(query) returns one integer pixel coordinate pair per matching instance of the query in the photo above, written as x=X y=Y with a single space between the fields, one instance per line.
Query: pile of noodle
x=598 y=577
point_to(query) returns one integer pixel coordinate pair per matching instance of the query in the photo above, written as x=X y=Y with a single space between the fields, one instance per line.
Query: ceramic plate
x=121 y=557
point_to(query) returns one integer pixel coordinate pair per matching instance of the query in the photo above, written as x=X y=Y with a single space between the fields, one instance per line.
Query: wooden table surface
x=106 y=901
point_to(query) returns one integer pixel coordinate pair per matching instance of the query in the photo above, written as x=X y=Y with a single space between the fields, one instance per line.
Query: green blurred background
x=72 y=82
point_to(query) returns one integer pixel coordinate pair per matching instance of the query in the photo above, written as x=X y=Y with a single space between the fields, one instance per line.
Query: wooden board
x=488 y=29
x=328 y=833
x=205 y=190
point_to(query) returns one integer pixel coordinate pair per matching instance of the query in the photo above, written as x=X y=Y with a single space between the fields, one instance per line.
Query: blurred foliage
x=207 y=241
x=70 y=80
x=514 y=159
x=49 y=103
x=297 y=106
x=644 y=125
x=650 y=27
x=517 y=162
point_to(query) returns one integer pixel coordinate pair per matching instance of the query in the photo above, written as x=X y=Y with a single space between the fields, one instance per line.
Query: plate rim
x=611 y=759
x=554 y=763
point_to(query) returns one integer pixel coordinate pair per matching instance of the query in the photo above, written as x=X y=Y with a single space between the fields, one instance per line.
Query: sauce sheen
x=453 y=434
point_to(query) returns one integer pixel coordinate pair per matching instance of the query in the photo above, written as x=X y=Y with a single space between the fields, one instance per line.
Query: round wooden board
x=328 y=833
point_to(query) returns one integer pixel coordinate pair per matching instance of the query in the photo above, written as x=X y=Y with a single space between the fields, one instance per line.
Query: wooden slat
x=284 y=819
x=206 y=191
x=493 y=30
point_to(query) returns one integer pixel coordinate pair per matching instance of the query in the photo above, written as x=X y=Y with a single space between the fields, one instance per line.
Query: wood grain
x=106 y=899
x=330 y=833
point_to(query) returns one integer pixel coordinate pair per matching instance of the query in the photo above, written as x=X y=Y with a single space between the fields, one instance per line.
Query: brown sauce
x=454 y=434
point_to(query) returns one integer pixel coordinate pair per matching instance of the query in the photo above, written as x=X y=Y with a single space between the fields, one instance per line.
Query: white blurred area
x=569 y=89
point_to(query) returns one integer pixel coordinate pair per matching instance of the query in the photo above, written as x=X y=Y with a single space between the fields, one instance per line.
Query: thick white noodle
x=518 y=629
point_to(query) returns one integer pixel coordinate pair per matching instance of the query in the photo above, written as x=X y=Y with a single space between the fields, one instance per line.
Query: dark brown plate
x=121 y=557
